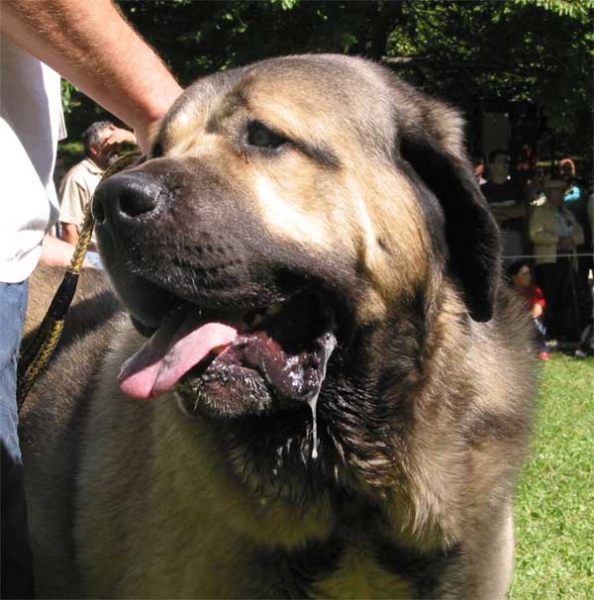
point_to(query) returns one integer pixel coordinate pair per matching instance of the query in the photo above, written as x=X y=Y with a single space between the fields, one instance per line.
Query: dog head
x=289 y=243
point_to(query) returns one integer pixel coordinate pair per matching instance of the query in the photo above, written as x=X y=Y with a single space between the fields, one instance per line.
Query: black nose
x=126 y=197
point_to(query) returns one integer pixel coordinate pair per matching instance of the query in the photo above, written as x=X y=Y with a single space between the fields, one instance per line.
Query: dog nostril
x=135 y=202
x=137 y=196
x=126 y=196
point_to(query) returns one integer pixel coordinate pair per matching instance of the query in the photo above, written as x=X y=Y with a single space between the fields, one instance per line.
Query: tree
x=519 y=53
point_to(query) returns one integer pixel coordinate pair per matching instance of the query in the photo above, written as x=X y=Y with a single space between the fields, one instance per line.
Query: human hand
x=146 y=135
x=112 y=143
x=58 y=253
x=125 y=75
x=118 y=136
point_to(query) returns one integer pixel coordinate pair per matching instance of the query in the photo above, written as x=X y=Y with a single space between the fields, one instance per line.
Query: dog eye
x=261 y=137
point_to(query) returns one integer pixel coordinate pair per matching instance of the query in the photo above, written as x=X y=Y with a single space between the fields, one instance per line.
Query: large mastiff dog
x=318 y=387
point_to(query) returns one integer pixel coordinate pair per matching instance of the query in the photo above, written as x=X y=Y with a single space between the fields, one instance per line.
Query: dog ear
x=433 y=146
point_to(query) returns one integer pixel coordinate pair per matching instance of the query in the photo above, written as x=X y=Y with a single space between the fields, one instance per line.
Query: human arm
x=112 y=144
x=91 y=45
x=57 y=253
x=505 y=201
x=576 y=237
x=503 y=213
x=70 y=233
x=542 y=229
x=118 y=136
x=74 y=197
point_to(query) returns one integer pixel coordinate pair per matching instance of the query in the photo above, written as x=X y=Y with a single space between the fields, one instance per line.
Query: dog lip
x=292 y=376
x=280 y=362
x=281 y=347
x=181 y=342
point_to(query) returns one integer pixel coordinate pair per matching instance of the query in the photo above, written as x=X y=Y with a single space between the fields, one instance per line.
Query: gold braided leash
x=36 y=356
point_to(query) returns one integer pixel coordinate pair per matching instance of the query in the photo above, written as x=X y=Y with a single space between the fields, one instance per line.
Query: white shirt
x=31 y=123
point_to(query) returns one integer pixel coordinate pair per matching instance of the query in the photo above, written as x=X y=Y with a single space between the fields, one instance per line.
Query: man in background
x=506 y=201
x=555 y=234
x=102 y=142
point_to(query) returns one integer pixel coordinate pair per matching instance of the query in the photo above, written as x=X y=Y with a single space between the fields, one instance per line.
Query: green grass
x=555 y=502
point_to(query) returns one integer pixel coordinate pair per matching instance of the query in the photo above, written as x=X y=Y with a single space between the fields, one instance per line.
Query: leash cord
x=35 y=357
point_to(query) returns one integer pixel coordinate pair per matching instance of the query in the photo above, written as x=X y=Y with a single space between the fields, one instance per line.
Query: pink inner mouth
x=289 y=354
x=175 y=348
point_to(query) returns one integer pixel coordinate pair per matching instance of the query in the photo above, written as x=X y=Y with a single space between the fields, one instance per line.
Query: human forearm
x=70 y=233
x=57 y=253
x=92 y=46
x=539 y=235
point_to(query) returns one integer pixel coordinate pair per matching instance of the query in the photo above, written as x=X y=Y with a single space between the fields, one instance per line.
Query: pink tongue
x=177 y=346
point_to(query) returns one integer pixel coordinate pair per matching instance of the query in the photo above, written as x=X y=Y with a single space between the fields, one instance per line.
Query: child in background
x=520 y=278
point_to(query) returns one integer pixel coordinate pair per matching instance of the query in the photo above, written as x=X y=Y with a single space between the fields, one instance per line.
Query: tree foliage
x=484 y=54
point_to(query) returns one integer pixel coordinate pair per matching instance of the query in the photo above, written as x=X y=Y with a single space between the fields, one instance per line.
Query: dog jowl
x=338 y=390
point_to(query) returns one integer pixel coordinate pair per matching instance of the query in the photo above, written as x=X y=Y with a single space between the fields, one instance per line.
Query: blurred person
x=506 y=200
x=102 y=141
x=479 y=169
x=576 y=201
x=555 y=234
x=568 y=171
x=586 y=343
x=91 y=45
x=573 y=194
x=535 y=186
x=520 y=279
x=499 y=188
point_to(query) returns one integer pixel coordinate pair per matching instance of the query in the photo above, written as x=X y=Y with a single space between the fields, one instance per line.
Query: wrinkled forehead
x=318 y=96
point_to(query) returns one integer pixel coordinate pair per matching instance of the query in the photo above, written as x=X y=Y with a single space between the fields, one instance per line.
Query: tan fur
x=132 y=498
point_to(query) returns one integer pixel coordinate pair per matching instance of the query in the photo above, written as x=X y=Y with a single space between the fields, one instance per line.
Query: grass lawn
x=555 y=503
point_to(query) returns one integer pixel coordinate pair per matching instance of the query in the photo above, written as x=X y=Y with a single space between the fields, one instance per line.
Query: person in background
x=102 y=141
x=576 y=201
x=91 y=45
x=535 y=187
x=499 y=188
x=506 y=201
x=520 y=279
x=573 y=193
x=555 y=234
x=478 y=163
x=586 y=343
